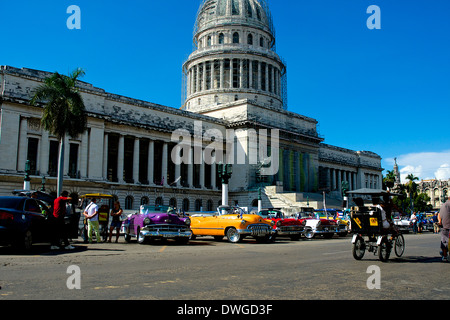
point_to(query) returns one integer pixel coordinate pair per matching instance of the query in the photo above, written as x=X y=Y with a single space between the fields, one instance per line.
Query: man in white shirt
x=91 y=214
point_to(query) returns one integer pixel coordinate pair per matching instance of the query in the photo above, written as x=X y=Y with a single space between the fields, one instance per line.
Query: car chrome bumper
x=285 y=232
x=166 y=234
x=327 y=230
x=257 y=231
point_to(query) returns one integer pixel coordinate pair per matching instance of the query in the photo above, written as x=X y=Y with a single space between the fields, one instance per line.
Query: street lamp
x=43 y=184
x=225 y=171
x=26 y=179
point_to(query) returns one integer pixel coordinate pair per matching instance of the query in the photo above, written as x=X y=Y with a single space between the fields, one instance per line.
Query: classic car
x=284 y=227
x=25 y=221
x=318 y=225
x=402 y=222
x=336 y=215
x=233 y=223
x=156 y=222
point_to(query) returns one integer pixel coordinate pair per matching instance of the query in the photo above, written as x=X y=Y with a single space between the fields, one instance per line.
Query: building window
x=173 y=203
x=159 y=201
x=198 y=205
x=53 y=159
x=250 y=39
x=261 y=42
x=129 y=202
x=32 y=154
x=221 y=38
x=145 y=201
x=236 y=37
x=185 y=205
x=208 y=41
x=235 y=7
x=73 y=161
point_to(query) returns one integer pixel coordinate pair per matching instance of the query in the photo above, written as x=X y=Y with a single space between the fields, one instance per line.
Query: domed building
x=234 y=85
x=234 y=56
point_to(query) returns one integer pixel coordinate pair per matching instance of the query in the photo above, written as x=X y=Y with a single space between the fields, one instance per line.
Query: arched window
x=261 y=42
x=159 y=201
x=255 y=203
x=145 y=201
x=173 y=202
x=250 y=39
x=221 y=38
x=236 y=37
x=209 y=205
x=128 y=202
x=208 y=41
x=198 y=205
x=185 y=205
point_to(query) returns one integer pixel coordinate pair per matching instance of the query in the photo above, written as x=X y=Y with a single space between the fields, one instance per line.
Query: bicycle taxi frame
x=368 y=231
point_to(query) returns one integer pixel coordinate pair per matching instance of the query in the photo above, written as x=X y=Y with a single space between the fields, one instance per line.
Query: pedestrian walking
x=116 y=213
x=91 y=214
x=444 y=222
x=413 y=220
x=57 y=222
x=435 y=223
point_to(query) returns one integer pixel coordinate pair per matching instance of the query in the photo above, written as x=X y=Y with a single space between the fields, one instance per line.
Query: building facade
x=234 y=86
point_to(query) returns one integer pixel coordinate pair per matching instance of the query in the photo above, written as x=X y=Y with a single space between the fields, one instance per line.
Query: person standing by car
x=413 y=220
x=116 y=212
x=435 y=223
x=444 y=222
x=58 y=225
x=91 y=214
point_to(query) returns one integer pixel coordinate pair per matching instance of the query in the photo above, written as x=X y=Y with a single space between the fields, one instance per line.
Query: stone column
x=151 y=152
x=221 y=73
x=120 y=155
x=105 y=156
x=164 y=163
x=136 y=160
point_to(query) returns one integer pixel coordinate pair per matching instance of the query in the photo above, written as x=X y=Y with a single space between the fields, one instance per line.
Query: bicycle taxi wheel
x=358 y=248
x=399 y=245
x=384 y=249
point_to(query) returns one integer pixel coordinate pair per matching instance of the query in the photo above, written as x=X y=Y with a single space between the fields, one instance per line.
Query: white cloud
x=425 y=165
x=443 y=173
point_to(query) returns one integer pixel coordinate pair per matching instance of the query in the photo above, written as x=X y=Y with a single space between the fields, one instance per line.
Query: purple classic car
x=156 y=222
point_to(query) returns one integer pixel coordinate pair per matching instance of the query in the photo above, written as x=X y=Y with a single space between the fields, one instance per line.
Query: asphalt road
x=205 y=269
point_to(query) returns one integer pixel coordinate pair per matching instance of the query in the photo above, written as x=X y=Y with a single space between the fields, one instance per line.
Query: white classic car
x=402 y=223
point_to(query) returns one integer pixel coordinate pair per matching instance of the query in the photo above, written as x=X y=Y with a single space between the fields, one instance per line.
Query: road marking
x=336 y=252
x=162 y=249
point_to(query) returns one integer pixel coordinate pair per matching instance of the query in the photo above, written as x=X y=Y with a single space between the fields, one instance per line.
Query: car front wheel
x=233 y=235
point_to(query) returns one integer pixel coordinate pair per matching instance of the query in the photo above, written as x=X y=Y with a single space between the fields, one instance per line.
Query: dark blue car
x=23 y=221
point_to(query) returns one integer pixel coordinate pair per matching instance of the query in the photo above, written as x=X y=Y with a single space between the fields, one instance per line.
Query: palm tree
x=64 y=111
x=389 y=179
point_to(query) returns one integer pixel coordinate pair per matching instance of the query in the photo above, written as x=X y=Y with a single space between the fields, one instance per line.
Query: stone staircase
x=292 y=202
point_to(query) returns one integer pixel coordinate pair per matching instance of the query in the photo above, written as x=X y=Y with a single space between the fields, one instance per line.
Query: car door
x=35 y=221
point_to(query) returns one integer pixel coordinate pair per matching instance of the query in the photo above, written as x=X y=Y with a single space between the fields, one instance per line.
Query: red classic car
x=319 y=224
x=284 y=227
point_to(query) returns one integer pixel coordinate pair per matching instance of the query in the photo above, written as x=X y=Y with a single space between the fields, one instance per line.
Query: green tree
x=389 y=179
x=64 y=111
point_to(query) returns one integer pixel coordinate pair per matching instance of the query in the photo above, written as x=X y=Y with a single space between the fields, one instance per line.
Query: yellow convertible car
x=233 y=223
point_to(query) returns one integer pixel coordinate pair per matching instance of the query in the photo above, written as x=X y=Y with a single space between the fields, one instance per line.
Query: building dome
x=252 y=13
x=233 y=57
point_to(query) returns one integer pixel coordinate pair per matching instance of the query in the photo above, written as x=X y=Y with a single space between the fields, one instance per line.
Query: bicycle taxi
x=368 y=231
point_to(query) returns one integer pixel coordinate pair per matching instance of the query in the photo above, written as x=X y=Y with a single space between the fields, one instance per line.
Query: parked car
x=156 y=222
x=402 y=222
x=319 y=225
x=233 y=223
x=284 y=227
x=337 y=216
x=25 y=221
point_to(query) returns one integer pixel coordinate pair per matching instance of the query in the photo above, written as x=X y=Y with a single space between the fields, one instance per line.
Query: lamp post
x=26 y=179
x=225 y=171
x=43 y=184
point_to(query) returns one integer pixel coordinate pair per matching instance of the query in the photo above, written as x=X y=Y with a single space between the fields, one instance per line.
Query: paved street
x=209 y=270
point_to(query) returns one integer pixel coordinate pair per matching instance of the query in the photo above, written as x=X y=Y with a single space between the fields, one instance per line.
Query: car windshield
x=10 y=203
x=229 y=210
x=271 y=214
x=157 y=208
x=303 y=215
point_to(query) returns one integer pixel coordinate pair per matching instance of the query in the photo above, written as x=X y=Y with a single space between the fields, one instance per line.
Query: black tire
x=384 y=250
x=358 y=248
x=399 y=245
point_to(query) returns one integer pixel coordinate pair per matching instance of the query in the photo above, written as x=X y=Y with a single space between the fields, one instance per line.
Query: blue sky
x=387 y=90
